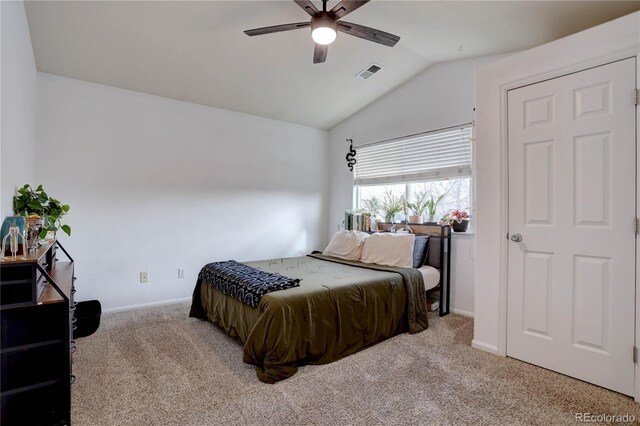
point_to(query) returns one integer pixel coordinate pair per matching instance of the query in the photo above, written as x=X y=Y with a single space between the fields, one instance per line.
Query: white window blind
x=434 y=155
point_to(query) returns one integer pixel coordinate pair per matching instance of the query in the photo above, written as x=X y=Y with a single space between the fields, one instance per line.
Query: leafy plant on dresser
x=31 y=201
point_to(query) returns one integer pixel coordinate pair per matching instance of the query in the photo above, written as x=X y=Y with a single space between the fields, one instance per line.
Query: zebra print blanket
x=243 y=282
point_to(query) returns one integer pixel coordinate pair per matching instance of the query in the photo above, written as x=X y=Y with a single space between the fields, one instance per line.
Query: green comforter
x=339 y=308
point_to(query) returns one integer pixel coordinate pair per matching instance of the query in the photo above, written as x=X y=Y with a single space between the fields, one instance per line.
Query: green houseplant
x=432 y=205
x=459 y=220
x=31 y=201
x=392 y=205
x=418 y=207
x=372 y=205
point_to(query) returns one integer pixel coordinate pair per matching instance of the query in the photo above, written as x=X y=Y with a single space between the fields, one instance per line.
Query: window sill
x=469 y=235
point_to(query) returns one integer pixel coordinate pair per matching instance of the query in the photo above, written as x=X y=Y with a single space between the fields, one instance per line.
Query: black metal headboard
x=434 y=256
x=438 y=257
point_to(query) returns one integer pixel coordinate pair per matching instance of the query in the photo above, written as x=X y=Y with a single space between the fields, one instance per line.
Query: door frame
x=497 y=79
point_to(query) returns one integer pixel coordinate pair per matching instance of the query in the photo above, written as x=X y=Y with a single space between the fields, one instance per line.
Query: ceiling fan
x=325 y=24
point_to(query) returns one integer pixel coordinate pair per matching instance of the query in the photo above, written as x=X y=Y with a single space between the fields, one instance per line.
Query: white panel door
x=572 y=174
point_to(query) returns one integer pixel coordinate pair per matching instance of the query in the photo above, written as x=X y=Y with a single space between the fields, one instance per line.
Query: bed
x=340 y=307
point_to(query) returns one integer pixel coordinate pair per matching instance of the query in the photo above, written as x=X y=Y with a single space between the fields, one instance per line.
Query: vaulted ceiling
x=197 y=51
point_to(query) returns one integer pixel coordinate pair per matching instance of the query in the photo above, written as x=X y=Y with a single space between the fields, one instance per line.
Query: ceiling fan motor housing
x=323 y=19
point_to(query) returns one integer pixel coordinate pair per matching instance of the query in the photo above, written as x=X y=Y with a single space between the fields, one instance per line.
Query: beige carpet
x=158 y=367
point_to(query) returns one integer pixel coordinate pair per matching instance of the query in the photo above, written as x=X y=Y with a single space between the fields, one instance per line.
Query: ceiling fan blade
x=346 y=6
x=367 y=33
x=307 y=6
x=277 y=28
x=320 y=53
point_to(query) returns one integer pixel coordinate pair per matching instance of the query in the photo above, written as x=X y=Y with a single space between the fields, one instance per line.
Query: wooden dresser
x=36 y=310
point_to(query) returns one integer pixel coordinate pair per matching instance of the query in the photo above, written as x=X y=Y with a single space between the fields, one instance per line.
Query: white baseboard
x=484 y=347
x=461 y=312
x=146 y=305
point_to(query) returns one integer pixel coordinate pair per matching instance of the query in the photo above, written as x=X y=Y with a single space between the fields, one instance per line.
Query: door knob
x=516 y=238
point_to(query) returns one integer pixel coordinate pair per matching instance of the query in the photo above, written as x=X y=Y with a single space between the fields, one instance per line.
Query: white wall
x=18 y=85
x=463 y=253
x=441 y=96
x=607 y=42
x=155 y=184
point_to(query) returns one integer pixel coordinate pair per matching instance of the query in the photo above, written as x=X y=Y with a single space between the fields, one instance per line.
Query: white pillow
x=346 y=245
x=389 y=249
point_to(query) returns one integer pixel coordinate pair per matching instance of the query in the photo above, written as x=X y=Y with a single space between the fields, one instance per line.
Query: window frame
x=356 y=194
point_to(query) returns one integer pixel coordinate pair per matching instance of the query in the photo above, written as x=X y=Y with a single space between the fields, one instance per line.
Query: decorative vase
x=415 y=219
x=460 y=225
x=34 y=226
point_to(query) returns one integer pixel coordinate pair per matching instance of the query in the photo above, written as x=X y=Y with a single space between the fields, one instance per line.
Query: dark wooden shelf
x=63 y=276
x=29 y=388
x=418 y=228
x=30 y=346
x=11 y=282
x=36 y=338
x=32 y=256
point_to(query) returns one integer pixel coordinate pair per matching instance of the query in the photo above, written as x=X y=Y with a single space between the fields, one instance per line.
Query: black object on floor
x=87 y=316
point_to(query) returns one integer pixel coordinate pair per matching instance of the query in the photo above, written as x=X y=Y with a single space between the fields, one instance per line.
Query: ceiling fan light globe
x=323 y=35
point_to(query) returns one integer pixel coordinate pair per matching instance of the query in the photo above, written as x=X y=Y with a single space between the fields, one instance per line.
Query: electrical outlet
x=144 y=277
x=180 y=273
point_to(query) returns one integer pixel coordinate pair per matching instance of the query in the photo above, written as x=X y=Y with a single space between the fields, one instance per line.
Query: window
x=415 y=170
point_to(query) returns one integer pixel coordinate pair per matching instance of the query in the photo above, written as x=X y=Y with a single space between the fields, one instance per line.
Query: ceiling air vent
x=369 y=71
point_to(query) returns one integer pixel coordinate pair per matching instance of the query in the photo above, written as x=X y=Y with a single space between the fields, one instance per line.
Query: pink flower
x=459 y=215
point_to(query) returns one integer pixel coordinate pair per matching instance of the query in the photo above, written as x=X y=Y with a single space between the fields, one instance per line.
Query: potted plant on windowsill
x=432 y=205
x=372 y=206
x=418 y=207
x=459 y=220
x=392 y=205
x=41 y=212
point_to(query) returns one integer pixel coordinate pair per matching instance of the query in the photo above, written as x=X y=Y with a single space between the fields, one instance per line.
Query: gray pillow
x=420 y=250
